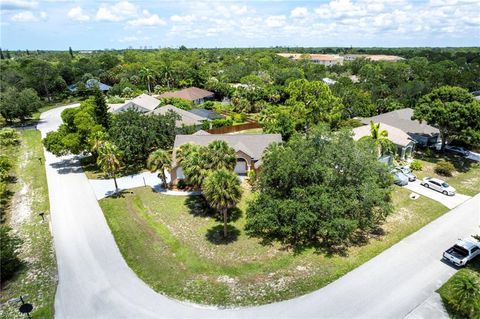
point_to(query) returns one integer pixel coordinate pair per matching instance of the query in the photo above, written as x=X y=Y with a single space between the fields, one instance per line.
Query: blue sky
x=87 y=24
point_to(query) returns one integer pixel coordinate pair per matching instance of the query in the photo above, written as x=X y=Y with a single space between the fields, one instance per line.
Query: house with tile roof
x=249 y=149
x=193 y=94
x=187 y=118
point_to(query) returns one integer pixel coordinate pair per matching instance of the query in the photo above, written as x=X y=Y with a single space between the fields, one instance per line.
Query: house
x=186 y=118
x=422 y=133
x=249 y=149
x=193 y=94
x=143 y=103
x=89 y=85
x=208 y=114
x=404 y=143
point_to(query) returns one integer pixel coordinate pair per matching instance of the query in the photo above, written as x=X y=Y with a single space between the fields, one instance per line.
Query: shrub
x=8 y=136
x=181 y=184
x=416 y=165
x=9 y=261
x=115 y=100
x=464 y=294
x=444 y=168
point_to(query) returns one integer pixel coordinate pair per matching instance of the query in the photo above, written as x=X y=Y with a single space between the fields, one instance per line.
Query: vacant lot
x=37 y=279
x=174 y=244
x=466 y=177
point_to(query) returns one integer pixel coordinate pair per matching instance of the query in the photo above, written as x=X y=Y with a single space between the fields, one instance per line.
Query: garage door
x=241 y=167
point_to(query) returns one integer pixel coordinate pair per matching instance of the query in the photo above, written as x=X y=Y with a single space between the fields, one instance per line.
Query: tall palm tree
x=222 y=191
x=182 y=152
x=97 y=142
x=149 y=76
x=466 y=293
x=220 y=155
x=195 y=167
x=160 y=160
x=109 y=161
x=381 y=139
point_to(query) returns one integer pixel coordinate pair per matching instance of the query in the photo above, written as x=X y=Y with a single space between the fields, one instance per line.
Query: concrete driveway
x=448 y=201
x=96 y=282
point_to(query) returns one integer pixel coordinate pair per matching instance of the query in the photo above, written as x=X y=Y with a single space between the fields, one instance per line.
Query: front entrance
x=241 y=166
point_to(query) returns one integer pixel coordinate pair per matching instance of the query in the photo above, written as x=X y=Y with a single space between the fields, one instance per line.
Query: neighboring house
x=143 y=103
x=249 y=149
x=186 y=118
x=404 y=143
x=89 y=85
x=422 y=133
x=208 y=114
x=193 y=94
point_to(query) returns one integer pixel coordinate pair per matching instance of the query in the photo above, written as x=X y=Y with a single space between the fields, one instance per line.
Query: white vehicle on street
x=462 y=252
x=438 y=185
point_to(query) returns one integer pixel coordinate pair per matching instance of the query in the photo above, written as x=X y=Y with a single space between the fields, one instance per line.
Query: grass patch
x=446 y=290
x=250 y=131
x=167 y=241
x=465 y=179
x=37 y=278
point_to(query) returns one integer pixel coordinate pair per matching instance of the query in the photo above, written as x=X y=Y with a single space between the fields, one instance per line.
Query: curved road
x=95 y=281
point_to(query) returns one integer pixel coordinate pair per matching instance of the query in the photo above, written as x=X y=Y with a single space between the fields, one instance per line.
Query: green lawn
x=37 y=279
x=175 y=246
x=446 y=290
x=466 y=178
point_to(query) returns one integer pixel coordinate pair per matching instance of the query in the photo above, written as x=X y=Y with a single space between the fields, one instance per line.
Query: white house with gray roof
x=249 y=149
x=143 y=103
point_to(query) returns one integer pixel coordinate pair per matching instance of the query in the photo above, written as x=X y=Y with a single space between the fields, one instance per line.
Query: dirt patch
x=21 y=206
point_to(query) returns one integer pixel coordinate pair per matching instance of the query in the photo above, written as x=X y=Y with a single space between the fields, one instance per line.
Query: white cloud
x=17 y=4
x=77 y=14
x=182 y=19
x=275 y=21
x=147 y=19
x=299 y=12
x=118 y=12
x=28 y=16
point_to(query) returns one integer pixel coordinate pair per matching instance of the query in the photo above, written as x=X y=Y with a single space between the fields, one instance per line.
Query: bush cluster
x=444 y=168
x=9 y=261
x=416 y=165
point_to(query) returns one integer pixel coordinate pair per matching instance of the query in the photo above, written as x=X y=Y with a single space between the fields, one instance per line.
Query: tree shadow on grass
x=198 y=207
x=215 y=235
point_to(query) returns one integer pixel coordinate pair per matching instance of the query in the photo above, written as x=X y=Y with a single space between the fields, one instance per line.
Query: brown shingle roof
x=190 y=94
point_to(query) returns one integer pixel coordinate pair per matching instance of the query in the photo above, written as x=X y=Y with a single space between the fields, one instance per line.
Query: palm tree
x=222 y=191
x=160 y=160
x=195 y=166
x=220 y=155
x=381 y=139
x=183 y=151
x=465 y=293
x=97 y=142
x=109 y=161
x=147 y=75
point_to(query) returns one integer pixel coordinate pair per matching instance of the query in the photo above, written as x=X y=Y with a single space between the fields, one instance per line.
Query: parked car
x=408 y=172
x=438 y=185
x=457 y=150
x=400 y=179
x=462 y=252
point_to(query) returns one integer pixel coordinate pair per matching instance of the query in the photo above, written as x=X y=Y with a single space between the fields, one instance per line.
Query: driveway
x=448 y=201
x=96 y=282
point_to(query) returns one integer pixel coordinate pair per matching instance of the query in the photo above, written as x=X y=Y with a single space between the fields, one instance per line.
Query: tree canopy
x=454 y=111
x=319 y=190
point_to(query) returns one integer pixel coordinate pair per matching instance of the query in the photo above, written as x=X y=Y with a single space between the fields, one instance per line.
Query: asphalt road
x=95 y=281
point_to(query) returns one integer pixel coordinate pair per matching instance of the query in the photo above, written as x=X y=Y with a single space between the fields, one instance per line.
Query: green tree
x=137 y=135
x=9 y=245
x=5 y=166
x=313 y=102
x=465 y=294
x=70 y=51
x=102 y=116
x=160 y=160
x=380 y=137
x=9 y=136
x=76 y=132
x=319 y=189
x=18 y=104
x=109 y=161
x=454 y=111
x=148 y=76
x=220 y=155
x=41 y=75
x=222 y=191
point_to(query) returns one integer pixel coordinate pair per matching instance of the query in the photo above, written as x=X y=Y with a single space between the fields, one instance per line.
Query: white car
x=462 y=252
x=438 y=185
